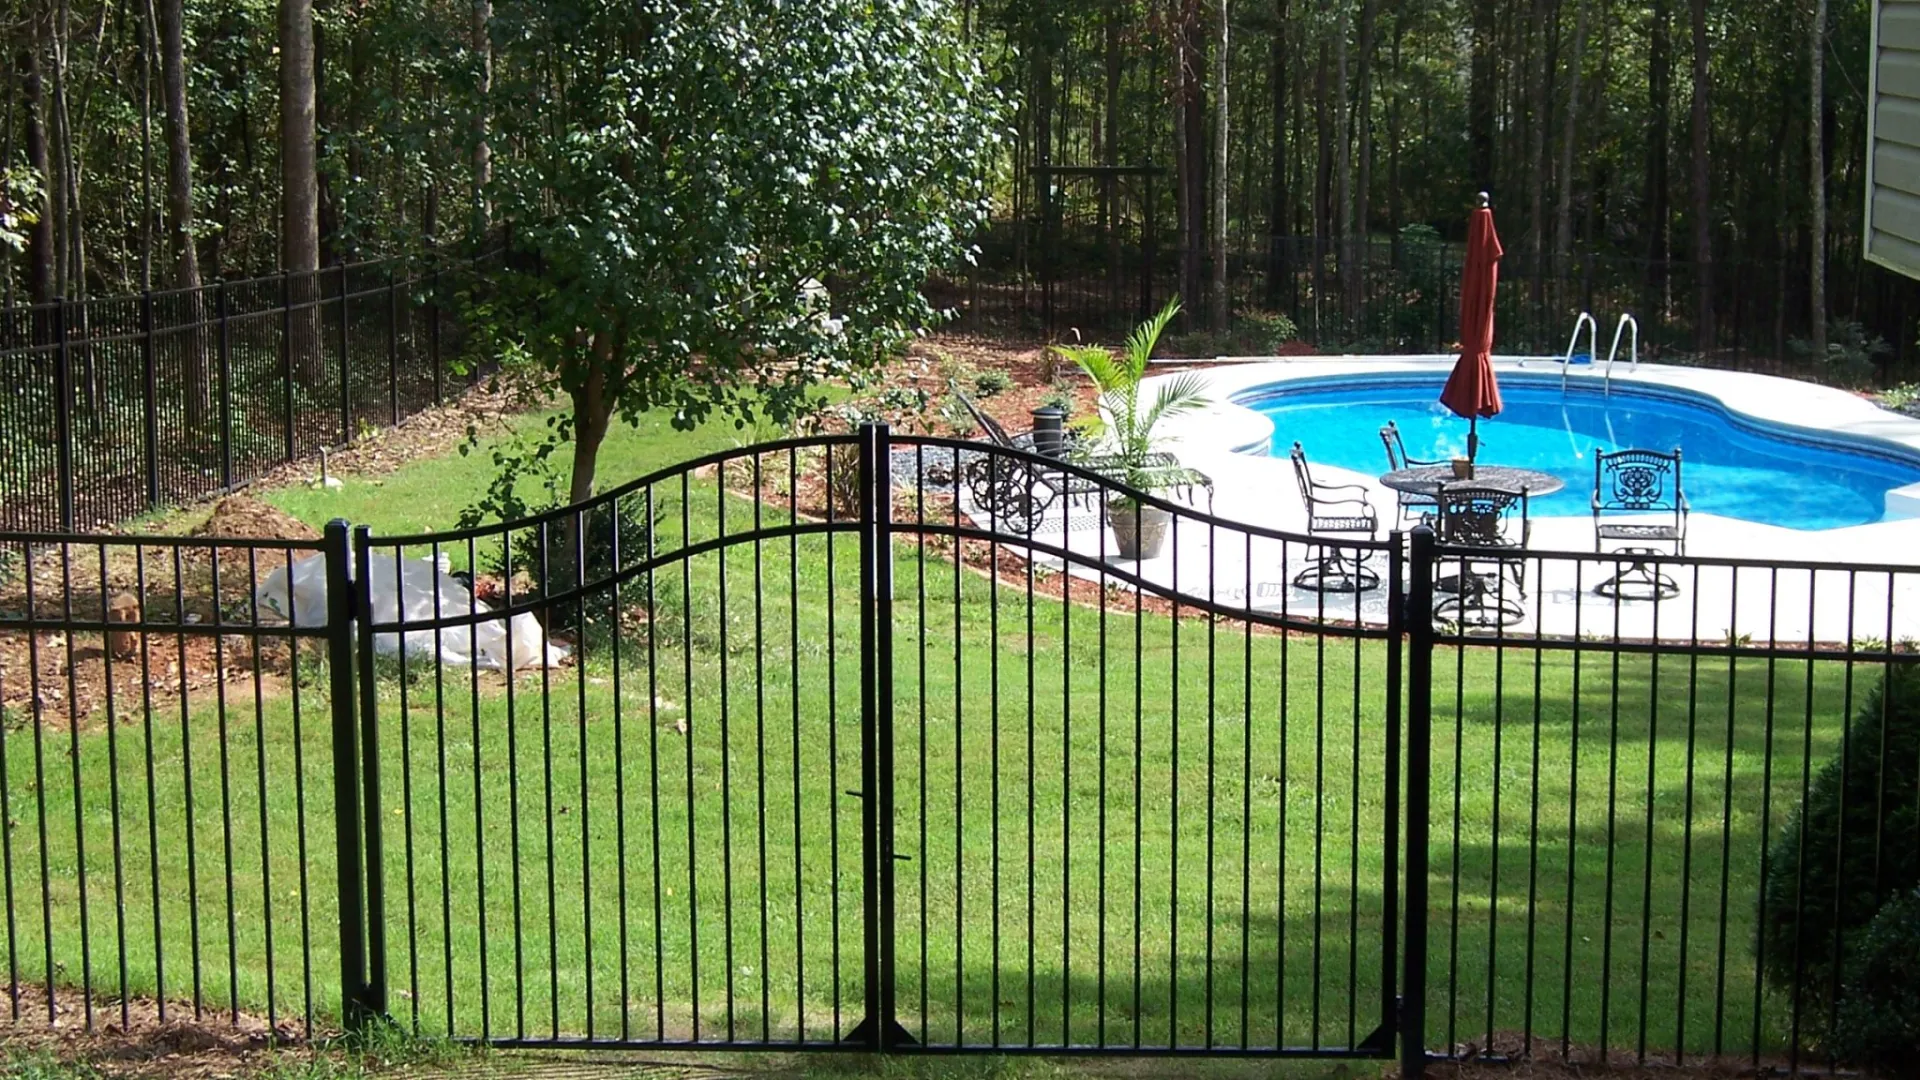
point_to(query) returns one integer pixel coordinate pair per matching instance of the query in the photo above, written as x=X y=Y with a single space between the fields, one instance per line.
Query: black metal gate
x=1127 y=834
x=910 y=805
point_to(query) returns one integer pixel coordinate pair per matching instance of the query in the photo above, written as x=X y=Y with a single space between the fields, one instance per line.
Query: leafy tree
x=678 y=180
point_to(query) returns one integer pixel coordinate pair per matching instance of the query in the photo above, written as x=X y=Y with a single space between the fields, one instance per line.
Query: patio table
x=1426 y=479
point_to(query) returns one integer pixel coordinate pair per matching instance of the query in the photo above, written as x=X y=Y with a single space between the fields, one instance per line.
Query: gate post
x=1390 y=885
x=354 y=1005
x=369 y=717
x=879 y=1030
x=1418 y=620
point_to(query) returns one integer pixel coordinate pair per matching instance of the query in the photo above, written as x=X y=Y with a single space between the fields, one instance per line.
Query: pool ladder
x=1627 y=323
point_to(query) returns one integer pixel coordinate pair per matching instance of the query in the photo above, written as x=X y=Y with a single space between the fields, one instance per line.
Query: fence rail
x=119 y=406
x=857 y=746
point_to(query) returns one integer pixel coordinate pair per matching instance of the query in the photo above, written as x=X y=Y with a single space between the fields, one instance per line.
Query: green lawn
x=1176 y=838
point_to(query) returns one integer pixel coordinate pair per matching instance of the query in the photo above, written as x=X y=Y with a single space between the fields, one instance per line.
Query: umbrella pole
x=1473 y=438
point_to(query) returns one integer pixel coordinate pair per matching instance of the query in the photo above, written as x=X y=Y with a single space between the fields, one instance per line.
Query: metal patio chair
x=1335 y=510
x=1016 y=493
x=1493 y=522
x=1645 y=483
x=1019 y=494
x=1414 y=507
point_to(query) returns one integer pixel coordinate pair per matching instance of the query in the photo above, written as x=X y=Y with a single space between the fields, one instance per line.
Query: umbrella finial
x=1483 y=201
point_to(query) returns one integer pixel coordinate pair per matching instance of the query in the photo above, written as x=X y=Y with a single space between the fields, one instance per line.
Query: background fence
x=123 y=405
x=116 y=406
x=1095 y=272
x=802 y=772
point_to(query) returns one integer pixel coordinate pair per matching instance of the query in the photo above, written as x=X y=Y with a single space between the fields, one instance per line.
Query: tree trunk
x=327 y=201
x=1659 y=131
x=1220 y=175
x=1110 y=157
x=1322 y=163
x=1569 y=136
x=1343 y=136
x=1185 y=227
x=300 y=190
x=42 y=241
x=1363 y=133
x=1199 y=155
x=482 y=43
x=1702 y=133
x=1480 y=96
x=1600 y=192
x=1817 y=182
x=1393 y=142
x=1277 y=217
x=1540 y=113
x=1042 y=75
x=592 y=414
x=180 y=238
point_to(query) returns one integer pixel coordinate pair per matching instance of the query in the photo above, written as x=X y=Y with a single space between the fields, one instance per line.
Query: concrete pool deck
x=1833 y=604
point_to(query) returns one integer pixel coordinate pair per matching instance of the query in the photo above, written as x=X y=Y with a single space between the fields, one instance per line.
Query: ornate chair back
x=1636 y=481
x=1478 y=516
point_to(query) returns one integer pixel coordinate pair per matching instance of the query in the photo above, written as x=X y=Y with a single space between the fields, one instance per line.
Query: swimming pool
x=1733 y=467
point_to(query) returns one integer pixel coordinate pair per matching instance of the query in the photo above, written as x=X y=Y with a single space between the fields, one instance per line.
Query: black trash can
x=1050 y=430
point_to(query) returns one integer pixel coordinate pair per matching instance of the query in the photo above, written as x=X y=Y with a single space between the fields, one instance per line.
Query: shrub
x=554 y=573
x=1266 y=331
x=992 y=381
x=1852 y=846
x=1903 y=398
x=526 y=484
x=1852 y=357
x=1879 y=1022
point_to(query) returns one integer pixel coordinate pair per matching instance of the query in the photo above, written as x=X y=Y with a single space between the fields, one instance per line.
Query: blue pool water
x=1732 y=467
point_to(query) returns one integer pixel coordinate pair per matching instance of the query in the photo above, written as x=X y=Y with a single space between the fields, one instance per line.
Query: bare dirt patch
x=172 y=599
x=242 y=517
x=136 y=1042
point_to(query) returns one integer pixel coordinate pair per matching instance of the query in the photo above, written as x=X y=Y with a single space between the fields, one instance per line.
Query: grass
x=1179 y=842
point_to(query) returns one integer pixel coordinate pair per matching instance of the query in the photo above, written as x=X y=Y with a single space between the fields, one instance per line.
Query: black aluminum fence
x=1093 y=272
x=1623 y=862
x=123 y=405
x=933 y=769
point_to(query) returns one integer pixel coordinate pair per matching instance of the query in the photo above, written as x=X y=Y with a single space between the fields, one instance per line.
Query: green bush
x=1852 y=357
x=527 y=483
x=992 y=381
x=1879 y=1022
x=546 y=556
x=1857 y=838
x=1266 y=331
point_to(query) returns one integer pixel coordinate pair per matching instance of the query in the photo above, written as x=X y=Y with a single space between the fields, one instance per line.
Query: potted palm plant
x=1122 y=445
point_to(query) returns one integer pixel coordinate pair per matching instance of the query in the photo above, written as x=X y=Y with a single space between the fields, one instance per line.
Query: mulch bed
x=136 y=1044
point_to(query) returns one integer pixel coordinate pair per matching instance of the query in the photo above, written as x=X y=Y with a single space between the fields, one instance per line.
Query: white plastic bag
x=405 y=589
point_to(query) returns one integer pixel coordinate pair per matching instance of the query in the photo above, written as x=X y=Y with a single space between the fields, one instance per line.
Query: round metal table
x=1426 y=479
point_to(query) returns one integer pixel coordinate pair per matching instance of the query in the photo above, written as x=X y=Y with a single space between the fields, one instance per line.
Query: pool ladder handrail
x=1587 y=320
x=1627 y=321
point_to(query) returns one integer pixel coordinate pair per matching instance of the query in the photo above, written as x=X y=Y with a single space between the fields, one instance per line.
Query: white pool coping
x=1231 y=444
x=1798 y=408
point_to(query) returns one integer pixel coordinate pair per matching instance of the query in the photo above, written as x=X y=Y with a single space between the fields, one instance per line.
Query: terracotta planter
x=1139 y=532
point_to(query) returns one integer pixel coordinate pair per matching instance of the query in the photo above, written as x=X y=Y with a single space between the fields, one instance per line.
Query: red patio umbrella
x=1471 y=390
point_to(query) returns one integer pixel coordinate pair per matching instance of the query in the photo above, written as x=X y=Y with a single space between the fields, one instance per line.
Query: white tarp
x=486 y=644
